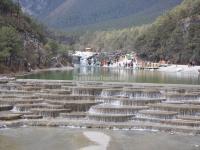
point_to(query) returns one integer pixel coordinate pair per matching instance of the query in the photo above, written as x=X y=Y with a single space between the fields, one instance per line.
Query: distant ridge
x=96 y=14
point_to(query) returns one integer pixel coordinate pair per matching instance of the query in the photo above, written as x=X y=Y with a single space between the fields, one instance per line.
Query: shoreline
x=180 y=69
x=23 y=73
x=173 y=68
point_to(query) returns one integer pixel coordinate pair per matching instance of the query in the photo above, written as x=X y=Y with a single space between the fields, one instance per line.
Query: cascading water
x=85 y=57
x=105 y=104
x=115 y=109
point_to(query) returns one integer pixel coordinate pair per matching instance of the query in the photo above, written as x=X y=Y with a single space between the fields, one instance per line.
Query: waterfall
x=100 y=104
x=114 y=108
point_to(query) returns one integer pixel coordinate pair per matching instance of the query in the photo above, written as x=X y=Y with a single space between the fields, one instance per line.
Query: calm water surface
x=121 y=75
x=78 y=139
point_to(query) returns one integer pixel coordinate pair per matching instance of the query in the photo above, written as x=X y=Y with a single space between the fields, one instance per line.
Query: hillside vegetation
x=174 y=36
x=73 y=15
x=23 y=42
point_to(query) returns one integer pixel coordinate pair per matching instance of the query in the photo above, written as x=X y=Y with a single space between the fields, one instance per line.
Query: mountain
x=96 y=14
x=40 y=8
x=174 y=36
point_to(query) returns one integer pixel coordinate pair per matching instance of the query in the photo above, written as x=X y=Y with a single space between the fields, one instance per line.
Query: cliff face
x=188 y=22
x=24 y=44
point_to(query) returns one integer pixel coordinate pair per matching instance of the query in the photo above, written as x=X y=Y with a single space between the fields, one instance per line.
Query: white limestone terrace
x=180 y=68
x=111 y=105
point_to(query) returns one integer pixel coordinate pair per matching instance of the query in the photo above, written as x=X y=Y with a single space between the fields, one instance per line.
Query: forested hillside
x=73 y=15
x=23 y=42
x=40 y=8
x=174 y=36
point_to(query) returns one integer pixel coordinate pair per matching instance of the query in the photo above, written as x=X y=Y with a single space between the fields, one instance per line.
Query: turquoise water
x=74 y=139
x=119 y=75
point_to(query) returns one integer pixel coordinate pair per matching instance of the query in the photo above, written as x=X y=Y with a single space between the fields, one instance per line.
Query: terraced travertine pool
x=109 y=115
x=100 y=105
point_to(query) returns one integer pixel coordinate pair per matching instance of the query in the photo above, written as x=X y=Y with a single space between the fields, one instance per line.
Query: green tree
x=10 y=42
x=7 y=6
x=53 y=46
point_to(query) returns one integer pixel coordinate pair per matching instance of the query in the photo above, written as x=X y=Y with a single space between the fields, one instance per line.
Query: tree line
x=174 y=36
x=23 y=41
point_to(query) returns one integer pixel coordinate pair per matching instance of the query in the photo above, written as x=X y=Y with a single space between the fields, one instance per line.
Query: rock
x=6 y=107
x=7 y=117
x=32 y=117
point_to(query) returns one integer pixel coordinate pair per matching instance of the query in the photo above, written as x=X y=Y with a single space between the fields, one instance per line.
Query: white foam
x=181 y=68
x=102 y=140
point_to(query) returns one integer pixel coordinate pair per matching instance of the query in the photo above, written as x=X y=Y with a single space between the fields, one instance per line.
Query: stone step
x=64 y=97
x=77 y=105
x=182 y=96
x=193 y=102
x=173 y=122
x=13 y=97
x=130 y=102
x=182 y=109
x=36 y=83
x=132 y=93
x=63 y=102
x=27 y=107
x=8 y=87
x=33 y=90
x=51 y=106
x=110 y=117
x=157 y=114
x=40 y=81
x=189 y=117
x=8 y=117
x=180 y=122
x=93 y=91
x=110 y=109
x=20 y=101
x=64 y=92
x=4 y=80
x=6 y=107
x=22 y=113
x=141 y=102
x=16 y=92
x=128 y=125
x=73 y=115
x=80 y=105
x=27 y=88
x=32 y=117
x=45 y=112
x=148 y=119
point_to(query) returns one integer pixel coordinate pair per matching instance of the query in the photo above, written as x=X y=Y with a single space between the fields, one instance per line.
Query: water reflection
x=116 y=74
x=75 y=139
